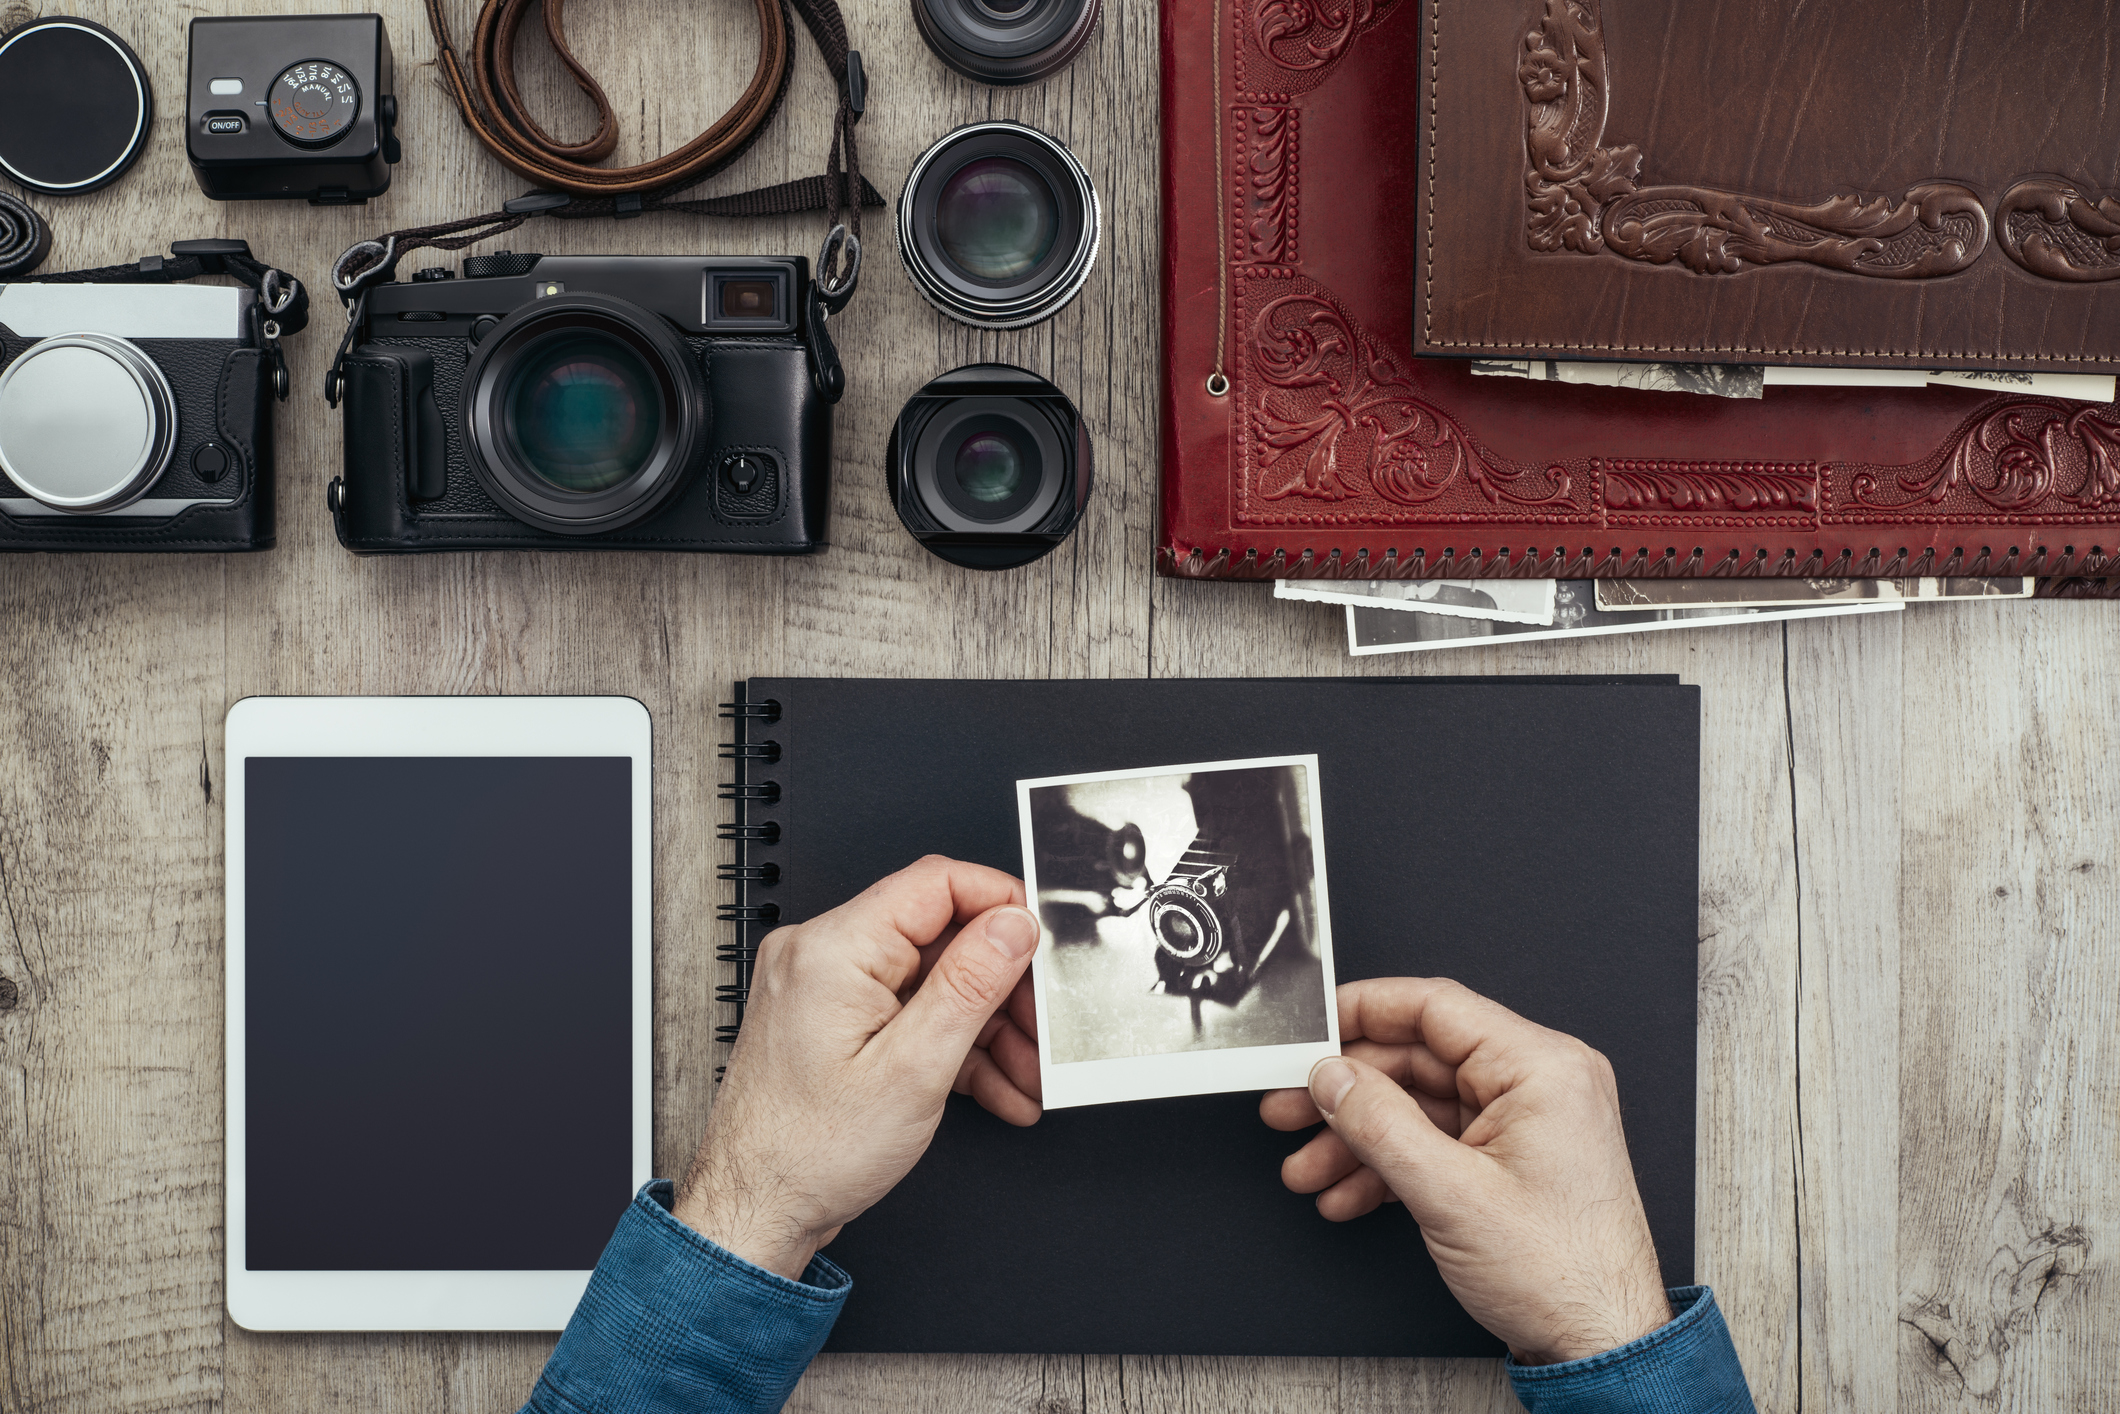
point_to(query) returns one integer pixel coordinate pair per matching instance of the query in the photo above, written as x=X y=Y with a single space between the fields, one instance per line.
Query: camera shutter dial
x=314 y=102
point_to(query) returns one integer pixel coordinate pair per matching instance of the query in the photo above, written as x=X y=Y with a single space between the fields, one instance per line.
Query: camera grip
x=395 y=439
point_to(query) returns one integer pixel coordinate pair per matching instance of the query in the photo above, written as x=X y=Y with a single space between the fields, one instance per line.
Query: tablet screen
x=437 y=1011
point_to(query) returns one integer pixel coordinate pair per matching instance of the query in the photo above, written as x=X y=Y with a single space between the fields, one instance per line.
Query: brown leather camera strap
x=492 y=106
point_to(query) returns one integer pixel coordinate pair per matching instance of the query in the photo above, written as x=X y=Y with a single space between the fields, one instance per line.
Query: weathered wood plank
x=110 y=1056
x=2008 y=1187
x=1845 y=740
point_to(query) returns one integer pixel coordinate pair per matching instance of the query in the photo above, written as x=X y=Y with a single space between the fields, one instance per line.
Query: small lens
x=989 y=468
x=1180 y=932
x=995 y=218
x=747 y=299
x=583 y=412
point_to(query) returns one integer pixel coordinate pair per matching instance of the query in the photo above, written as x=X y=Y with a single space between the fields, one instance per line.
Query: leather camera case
x=223 y=391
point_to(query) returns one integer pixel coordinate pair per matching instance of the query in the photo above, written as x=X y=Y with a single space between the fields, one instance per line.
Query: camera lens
x=996 y=218
x=998 y=225
x=582 y=411
x=989 y=466
x=1006 y=41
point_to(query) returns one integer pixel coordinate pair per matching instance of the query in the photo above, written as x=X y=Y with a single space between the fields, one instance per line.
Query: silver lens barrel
x=87 y=422
x=999 y=225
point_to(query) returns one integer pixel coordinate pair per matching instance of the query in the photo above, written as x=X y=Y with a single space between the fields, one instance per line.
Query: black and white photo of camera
x=1188 y=944
x=136 y=416
x=589 y=402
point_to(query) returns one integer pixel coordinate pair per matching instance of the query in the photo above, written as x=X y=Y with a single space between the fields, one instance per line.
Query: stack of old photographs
x=1416 y=616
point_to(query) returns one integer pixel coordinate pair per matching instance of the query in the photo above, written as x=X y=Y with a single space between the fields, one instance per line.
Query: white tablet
x=438 y=1006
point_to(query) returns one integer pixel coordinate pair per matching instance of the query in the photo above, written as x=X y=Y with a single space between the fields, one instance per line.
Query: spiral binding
x=750 y=916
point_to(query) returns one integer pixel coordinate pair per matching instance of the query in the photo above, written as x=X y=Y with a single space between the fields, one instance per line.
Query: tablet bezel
x=426 y=726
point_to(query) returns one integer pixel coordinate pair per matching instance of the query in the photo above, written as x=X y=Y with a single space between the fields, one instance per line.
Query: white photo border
x=1208 y=1072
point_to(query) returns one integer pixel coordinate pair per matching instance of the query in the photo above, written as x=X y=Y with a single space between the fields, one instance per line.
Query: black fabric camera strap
x=283 y=302
x=24 y=239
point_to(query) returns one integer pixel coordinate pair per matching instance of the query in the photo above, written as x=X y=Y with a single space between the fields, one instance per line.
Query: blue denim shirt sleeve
x=672 y=1324
x=1688 y=1366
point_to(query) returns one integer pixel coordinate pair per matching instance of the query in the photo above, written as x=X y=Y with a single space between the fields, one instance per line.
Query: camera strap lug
x=837 y=275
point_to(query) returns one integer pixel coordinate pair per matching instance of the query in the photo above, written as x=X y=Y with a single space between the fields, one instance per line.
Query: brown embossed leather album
x=1893 y=183
x=1302 y=434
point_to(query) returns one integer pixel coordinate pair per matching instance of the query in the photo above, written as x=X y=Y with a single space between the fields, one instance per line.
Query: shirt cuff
x=671 y=1322
x=1687 y=1366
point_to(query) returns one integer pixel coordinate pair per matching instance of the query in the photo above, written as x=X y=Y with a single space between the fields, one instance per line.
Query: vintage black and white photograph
x=1575 y=615
x=1635 y=595
x=1513 y=601
x=1187 y=944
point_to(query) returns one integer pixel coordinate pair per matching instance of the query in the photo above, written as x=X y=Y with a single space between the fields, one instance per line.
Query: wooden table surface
x=1909 y=886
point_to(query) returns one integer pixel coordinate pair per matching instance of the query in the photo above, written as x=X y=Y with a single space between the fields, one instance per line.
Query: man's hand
x=1503 y=1140
x=860 y=1023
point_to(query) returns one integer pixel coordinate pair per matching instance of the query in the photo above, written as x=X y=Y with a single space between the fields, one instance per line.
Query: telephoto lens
x=989 y=466
x=998 y=225
x=1007 y=41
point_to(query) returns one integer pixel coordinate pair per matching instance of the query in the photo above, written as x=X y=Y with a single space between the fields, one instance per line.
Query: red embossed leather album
x=1883 y=184
x=1294 y=206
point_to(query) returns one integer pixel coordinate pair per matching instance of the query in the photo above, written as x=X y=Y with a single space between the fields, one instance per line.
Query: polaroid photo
x=1187 y=938
x=1575 y=615
x=1509 y=601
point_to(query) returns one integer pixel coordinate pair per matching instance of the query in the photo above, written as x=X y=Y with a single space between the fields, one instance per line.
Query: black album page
x=1537 y=839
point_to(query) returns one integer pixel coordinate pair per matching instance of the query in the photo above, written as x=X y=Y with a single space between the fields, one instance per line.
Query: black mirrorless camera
x=136 y=417
x=589 y=402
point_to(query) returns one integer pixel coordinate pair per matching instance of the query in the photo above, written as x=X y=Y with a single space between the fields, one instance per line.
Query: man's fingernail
x=1014 y=931
x=1330 y=1080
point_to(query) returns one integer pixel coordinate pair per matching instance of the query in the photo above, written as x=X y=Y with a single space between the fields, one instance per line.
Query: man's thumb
x=1385 y=1128
x=969 y=982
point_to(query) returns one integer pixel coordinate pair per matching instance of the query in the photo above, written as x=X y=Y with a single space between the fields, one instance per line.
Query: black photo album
x=1535 y=838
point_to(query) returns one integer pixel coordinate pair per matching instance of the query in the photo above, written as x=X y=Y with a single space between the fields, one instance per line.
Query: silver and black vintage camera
x=590 y=402
x=137 y=416
x=1237 y=893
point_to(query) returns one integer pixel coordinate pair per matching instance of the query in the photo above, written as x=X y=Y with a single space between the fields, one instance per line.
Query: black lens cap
x=75 y=106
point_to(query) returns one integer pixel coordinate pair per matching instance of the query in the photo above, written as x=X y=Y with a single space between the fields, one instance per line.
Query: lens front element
x=583 y=411
x=988 y=468
x=995 y=218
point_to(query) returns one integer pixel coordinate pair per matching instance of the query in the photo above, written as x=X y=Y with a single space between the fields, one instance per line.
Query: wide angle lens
x=989 y=467
x=582 y=411
x=996 y=218
x=998 y=225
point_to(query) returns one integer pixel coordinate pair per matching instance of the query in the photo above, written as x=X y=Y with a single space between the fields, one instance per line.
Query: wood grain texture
x=1907 y=1136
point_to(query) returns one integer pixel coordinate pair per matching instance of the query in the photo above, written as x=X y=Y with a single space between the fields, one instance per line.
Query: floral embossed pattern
x=1334 y=426
x=1585 y=197
x=2034 y=460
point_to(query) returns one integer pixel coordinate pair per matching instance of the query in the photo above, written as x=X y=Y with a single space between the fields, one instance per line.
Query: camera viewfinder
x=754 y=299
